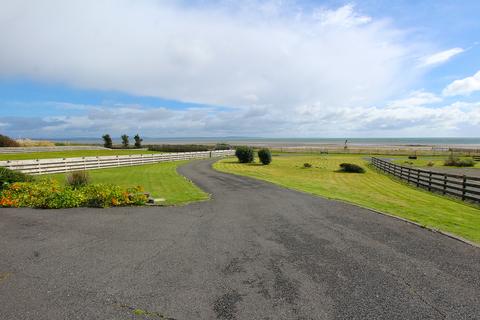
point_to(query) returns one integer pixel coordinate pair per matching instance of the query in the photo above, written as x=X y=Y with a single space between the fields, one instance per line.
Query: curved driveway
x=255 y=251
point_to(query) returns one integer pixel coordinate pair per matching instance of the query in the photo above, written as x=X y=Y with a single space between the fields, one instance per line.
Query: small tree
x=125 y=141
x=138 y=141
x=244 y=154
x=265 y=156
x=107 y=141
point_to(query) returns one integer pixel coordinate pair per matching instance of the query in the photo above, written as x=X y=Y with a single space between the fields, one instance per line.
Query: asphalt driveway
x=255 y=251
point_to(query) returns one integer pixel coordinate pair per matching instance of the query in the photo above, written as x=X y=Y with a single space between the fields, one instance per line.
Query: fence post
x=418 y=178
x=430 y=181
x=445 y=184
x=464 y=187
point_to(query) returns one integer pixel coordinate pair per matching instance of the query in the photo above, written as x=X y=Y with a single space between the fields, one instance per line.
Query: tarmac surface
x=255 y=251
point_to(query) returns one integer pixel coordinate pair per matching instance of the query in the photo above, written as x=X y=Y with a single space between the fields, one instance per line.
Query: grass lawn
x=161 y=180
x=372 y=190
x=423 y=161
x=70 y=154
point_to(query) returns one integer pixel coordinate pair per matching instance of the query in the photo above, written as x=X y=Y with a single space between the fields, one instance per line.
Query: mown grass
x=423 y=161
x=161 y=180
x=71 y=154
x=372 y=190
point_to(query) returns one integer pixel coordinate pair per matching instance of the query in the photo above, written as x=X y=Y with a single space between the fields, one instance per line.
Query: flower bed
x=49 y=194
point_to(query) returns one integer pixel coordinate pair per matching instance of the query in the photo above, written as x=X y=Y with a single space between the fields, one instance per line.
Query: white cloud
x=232 y=54
x=416 y=98
x=307 y=120
x=441 y=57
x=463 y=86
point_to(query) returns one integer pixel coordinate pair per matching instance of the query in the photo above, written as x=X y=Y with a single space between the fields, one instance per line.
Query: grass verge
x=423 y=161
x=71 y=154
x=161 y=180
x=371 y=190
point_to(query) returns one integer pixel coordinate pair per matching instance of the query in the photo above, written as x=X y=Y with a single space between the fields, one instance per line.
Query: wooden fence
x=58 y=165
x=464 y=187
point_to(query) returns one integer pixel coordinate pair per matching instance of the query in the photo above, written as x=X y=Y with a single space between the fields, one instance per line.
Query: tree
x=125 y=141
x=8 y=142
x=107 y=141
x=138 y=141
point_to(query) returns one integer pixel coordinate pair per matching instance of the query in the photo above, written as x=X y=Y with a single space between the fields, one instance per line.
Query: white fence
x=58 y=165
x=7 y=150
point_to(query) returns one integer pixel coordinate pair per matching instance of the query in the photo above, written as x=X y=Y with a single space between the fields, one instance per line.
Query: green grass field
x=372 y=190
x=160 y=180
x=423 y=161
x=70 y=154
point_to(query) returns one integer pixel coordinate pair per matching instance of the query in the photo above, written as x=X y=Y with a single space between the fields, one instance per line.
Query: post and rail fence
x=59 y=165
x=464 y=187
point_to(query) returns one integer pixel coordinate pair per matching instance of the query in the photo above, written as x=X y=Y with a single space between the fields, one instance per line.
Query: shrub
x=125 y=141
x=138 y=141
x=430 y=164
x=9 y=176
x=265 y=156
x=307 y=165
x=107 y=141
x=412 y=157
x=244 y=154
x=78 y=179
x=457 y=162
x=49 y=194
x=8 y=142
x=178 y=147
x=350 y=167
x=222 y=146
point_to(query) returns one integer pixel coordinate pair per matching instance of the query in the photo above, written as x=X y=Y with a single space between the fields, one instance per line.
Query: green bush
x=48 y=194
x=265 y=156
x=9 y=176
x=307 y=165
x=244 y=154
x=222 y=146
x=457 y=162
x=78 y=179
x=350 y=167
x=179 y=147
x=8 y=142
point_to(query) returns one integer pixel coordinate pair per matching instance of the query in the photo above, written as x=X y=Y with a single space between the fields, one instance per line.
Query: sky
x=371 y=68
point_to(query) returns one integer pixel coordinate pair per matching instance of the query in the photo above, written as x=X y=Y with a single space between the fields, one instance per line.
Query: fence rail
x=464 y=187
x=8 y=150
x=58 y=165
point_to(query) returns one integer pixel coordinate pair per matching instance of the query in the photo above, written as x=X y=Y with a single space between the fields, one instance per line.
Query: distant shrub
x=350 y=167
x=412 y=157
x=48 y=194
x=179 y=147
x=265 y=156
x=107 y=141
x=8 y=142
x=78 y=179
x=8 y=176
x=138 y=141
x=430 y=164
x=125 y=141
x=244 y=154
x=307 y=165
x=457 y=162
x=222 y=146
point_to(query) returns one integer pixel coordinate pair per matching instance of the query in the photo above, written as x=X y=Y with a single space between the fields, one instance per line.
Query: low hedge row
x=49 y=194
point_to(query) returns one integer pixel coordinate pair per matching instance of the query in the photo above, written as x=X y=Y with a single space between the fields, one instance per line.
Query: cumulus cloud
x=267 y=53
x=441 y=57
x=416 y=98
x=463 y=86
